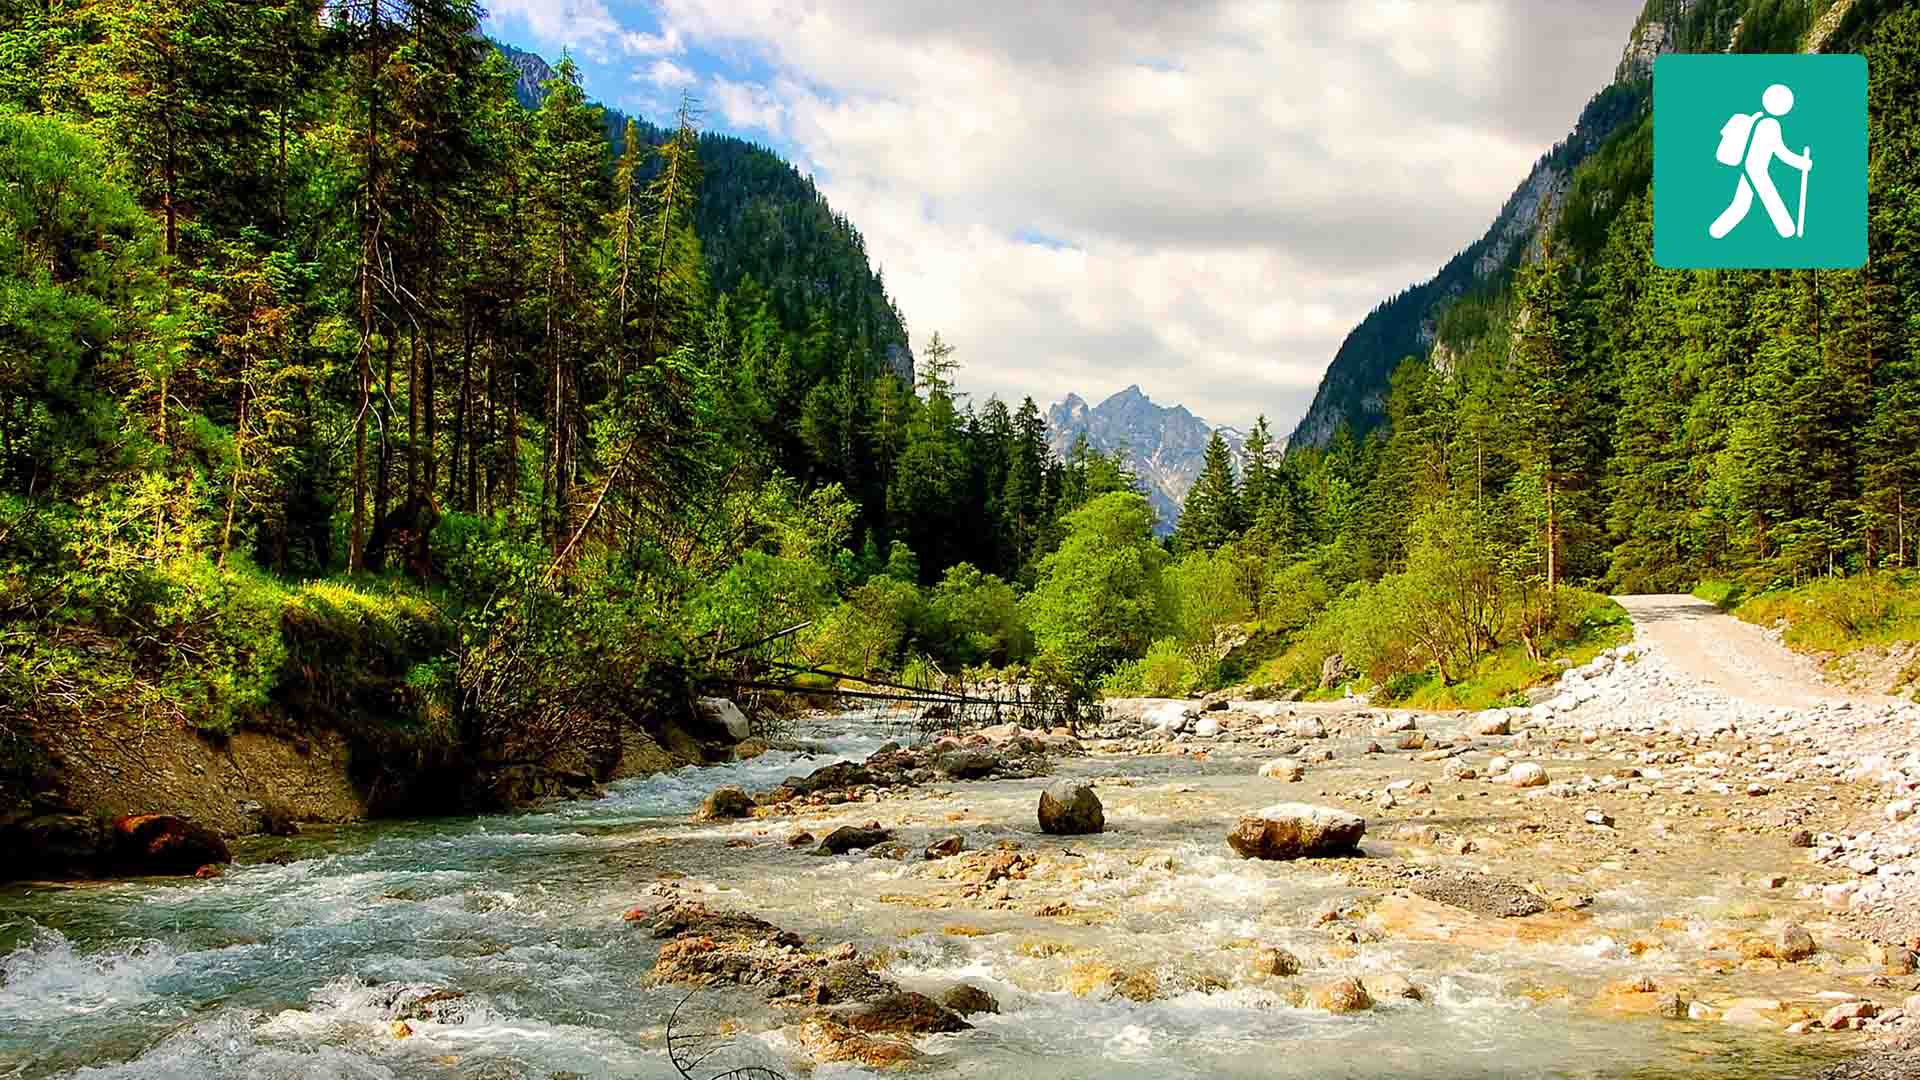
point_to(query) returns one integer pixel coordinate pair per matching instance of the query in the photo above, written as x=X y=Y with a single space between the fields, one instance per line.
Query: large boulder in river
x=1068 y=808
x=1296 y=831
x=166 y=844
x=720 y=718
x=1286 y=769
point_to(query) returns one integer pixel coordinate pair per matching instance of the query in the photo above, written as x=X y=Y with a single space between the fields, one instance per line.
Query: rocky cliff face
x=1353 y=391
x=1166 y=446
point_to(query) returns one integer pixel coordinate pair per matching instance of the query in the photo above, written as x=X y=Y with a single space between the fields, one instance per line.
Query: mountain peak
x=1164 y=445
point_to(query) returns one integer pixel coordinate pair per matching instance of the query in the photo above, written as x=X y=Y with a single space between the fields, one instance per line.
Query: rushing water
x=291 y=970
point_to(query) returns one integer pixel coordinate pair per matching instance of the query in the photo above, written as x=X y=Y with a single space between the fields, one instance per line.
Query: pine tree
x=1212 y=514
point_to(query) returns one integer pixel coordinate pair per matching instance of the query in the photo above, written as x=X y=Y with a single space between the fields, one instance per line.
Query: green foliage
x=1295 y=596
x=1839 y=615
x=975 y=618
x=1210 y=594
x=1101 y=597
x=1165 y=671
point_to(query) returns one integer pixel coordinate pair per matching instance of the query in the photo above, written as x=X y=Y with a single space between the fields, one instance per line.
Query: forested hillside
x=338 y=387
x=1353 y=390
x=1600 y=421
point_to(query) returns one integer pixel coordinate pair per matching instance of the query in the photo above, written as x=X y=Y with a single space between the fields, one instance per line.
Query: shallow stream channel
x=1118 y=955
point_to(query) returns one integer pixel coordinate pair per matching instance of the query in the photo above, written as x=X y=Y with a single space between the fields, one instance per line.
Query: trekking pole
x=1801 y=228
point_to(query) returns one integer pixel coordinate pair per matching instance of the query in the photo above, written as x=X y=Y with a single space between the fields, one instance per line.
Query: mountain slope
x=1353 y=391
x=1166 y=446
x=1354 y=388
x=758 y=217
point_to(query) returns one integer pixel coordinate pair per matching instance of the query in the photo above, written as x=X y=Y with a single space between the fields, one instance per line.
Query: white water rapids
x=290 y=970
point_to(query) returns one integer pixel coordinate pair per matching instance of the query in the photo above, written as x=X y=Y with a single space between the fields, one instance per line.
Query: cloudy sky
x=1201 y=196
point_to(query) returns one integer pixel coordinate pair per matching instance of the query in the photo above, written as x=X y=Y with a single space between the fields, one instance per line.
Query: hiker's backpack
x=1733 y=138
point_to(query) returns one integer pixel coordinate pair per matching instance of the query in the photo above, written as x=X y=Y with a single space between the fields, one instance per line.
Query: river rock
x=904 y=1013
x=726 y=802
x=1309 y=727
x=1394 y=725
x=1169 y=718
x=1394 y=988
x=946 y=847
x=829 y=1039
x=1296 y=830
x=166 y=844
x=969 y=1000
x=966 y=764
x=1275 y=962
x=722 y=717
x=1412 y=740
x=1206 y=728
x=1285 y=769
x=1527 y=774
x=853 y=837
x=1491 y=722
x=1794 y=944
x=1068 y=808
x=1348 y=995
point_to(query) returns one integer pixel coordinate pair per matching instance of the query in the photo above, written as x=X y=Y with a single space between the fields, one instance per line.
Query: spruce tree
x=1212 y=514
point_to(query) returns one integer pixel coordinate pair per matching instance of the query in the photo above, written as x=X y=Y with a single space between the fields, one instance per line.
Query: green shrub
x=1295 y=597
x=1165 y=671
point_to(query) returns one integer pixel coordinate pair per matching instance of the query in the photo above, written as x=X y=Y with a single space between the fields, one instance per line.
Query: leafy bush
x=1208 y=593
x=973 y=618
x=1164 y=672
x=1295 y=597
x=1101 y=597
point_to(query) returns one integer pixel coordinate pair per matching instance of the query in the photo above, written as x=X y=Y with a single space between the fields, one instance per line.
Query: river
x=291 y=969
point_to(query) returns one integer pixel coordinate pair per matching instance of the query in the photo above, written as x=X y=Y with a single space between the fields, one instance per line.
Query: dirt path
x=1732 y=657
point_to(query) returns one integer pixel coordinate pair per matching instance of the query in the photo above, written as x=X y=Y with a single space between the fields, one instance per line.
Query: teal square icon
x=1760 y=162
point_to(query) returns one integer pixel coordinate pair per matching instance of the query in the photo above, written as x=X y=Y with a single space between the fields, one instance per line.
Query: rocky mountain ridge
x=1165 y=446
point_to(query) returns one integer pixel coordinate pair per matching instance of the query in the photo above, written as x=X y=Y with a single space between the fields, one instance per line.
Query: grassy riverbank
x=1866 y=627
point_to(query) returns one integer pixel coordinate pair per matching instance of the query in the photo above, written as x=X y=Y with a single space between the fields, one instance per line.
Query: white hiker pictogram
x=1753 y=141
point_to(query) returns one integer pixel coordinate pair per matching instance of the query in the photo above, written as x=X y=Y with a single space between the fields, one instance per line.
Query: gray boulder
x=1069 y=808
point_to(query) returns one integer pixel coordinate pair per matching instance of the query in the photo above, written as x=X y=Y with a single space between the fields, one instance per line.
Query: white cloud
x=586 y=26
x=667 y=75
x=1236 y=183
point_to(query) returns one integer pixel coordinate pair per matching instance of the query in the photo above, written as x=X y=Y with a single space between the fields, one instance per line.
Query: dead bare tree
x=690 y=1051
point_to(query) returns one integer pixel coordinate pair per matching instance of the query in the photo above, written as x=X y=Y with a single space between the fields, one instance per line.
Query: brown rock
x=1348 y=995
x=1794 y=944
x=1296 y=830
x=1068 y=808
x=829 y=1040
x=946 y=847
x=903 y=1013
x=725 y=803
x=967 y=1000
x=166 y=844
x=1276 y=962
x=851 y=837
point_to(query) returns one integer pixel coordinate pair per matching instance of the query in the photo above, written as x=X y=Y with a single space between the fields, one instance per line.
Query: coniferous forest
x=340 y=386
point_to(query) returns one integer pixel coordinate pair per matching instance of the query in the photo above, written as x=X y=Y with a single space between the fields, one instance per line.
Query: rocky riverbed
x=1638 y=877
